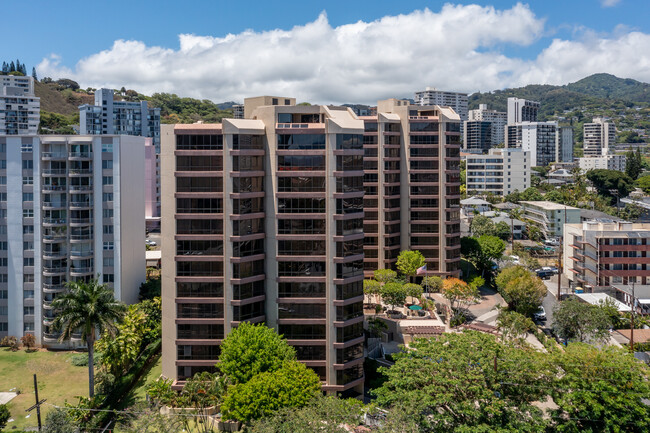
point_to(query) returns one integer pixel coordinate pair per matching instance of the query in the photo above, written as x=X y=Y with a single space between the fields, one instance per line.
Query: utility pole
x=37 y=405
x=559 y=267
x=632 y=320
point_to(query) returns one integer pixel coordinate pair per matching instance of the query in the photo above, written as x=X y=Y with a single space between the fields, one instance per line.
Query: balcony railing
x=80 y=187
x=81 y=220
x=80 y=155
x=80 y=203
x=81 y=171
x=81 y=270
x=83 y=237
x=54 y=188
x=54 y=155
x=53 y=171
x=54 y=221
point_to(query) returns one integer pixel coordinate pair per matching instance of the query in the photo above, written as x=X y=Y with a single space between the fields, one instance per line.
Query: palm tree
x=87 y=307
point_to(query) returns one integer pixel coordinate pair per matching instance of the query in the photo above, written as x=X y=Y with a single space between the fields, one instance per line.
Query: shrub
x=81 y=359
x=4 y=415
x=10 y=341
x=104 y=382
x=28 y=341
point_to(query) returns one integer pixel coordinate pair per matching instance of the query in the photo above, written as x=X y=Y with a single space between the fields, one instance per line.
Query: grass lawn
x=58 y=381
x=137 y=393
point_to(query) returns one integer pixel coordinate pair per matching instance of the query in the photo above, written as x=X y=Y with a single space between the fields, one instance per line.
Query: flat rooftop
x=548 y=205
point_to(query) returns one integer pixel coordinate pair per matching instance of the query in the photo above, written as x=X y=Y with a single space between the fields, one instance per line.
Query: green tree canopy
x=385 y=275
x=89 y=308
x=644 y=183
x=432 y=283
x=393 y=294
x=408 y=262
x=633 y=164
x=449 y=383
x=251 y=349
x=524 y=294
x=482 y=251
x=323 y=415
x=291 y=386
x=576 y=320
x=600 y=390
x=607 y=180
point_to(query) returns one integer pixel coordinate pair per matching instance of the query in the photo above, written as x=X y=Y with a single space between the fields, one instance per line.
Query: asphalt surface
x=156 y=238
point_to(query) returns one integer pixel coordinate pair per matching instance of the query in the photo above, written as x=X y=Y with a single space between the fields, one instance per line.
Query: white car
x=151 y=243
x=540 y=315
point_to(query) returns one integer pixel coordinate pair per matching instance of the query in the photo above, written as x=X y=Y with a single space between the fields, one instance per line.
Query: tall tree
x=576 y=320
x=408 y=262
x=253 y=349
x=89 y=308
x=34 y=74
x=524 y=294
x=600 y=390
x=450 y=383
x=633 y=165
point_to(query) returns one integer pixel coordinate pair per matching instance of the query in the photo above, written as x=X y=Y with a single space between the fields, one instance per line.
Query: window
x=3 y=180
x=108 y=245
x=28 y=310
x=107 y=197
x=28 y=327
x=3 y=163
x=107 y=164
x=28 y=230
x=28 y=213
x=109 y=261
x=28 y=164
x=4 y=278
x=107 y=213
x=109 y=278
x=28 y=278
x=28 y=294
x=28 y=245
x=3 y=261
x=28 y=261
x=107 y=147
x=27 y=180
x=4 y=294
x=108 y=230
x=28 y=196
x=107 y=180
x=3 y=197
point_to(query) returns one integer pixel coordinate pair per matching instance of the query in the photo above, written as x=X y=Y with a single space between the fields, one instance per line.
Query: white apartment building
x=598 y=137
x=541 y=139
x=456 y=100
x=71 y=208
x=607 y=162
x=500 y=172
x=522 y=110
x=550 y=217
x=20 y=110
x=498 y=120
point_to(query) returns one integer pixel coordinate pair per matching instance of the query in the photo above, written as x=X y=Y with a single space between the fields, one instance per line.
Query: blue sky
x=81 y=36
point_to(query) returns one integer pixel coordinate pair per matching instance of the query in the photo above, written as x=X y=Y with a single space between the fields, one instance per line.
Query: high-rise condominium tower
x=263 y=221
x=71 y=208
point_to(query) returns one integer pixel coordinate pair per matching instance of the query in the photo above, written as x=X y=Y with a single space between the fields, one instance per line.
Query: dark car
x=544 y=275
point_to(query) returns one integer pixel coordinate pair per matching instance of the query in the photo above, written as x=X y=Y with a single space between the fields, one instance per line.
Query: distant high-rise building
x=500 y=172
x=498 y=120
x=238 y=111
x=71 y=208
x=456 y=100
x=108 y=117
x=522 y=110
x=598 y=137
x=477 y=136
x=20 y=109
x=541 y=139
x=565 y=144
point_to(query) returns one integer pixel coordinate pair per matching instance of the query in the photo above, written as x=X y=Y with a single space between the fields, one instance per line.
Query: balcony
x=54 y=270
x=82 y=237
x=49 y=222
x=77 y=189
x=80 y=155
x=49 y=337
x=53 y=171
x=81 y=271
x=53 y=155
x=81 y=221
x=81 y=254
x=80 y=204
x=55 y=237
x=53 y=188
x=53 y=254
x=80 y=171
x=55 y=204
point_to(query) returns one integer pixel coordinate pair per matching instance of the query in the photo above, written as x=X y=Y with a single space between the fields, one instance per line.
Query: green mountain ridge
x=597 y=90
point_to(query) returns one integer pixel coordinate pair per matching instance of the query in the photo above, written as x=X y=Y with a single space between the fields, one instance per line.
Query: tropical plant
x=524 y=294
x=291 y=386
x=161 y=392
x=251 y=349
x=58 y=421
x=201 y=392
x=28 y=341
x=89 y=308
x=122 y=347
x=459 y=294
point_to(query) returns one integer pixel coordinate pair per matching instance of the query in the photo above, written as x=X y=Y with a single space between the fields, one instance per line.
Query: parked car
x=540 y=314
x=544 y=275
x=151 y=243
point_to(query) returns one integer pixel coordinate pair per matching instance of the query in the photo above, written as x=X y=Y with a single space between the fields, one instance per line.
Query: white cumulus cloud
x=609 y=3
x=458 y=48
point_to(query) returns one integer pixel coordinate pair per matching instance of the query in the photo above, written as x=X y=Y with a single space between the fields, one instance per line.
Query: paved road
x=156 y=238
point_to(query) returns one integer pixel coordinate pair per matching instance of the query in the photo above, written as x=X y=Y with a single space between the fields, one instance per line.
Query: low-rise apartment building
x=601 y=254
x=500 y=172
x=550 y=217
x=607 y=162
x=71 y=208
